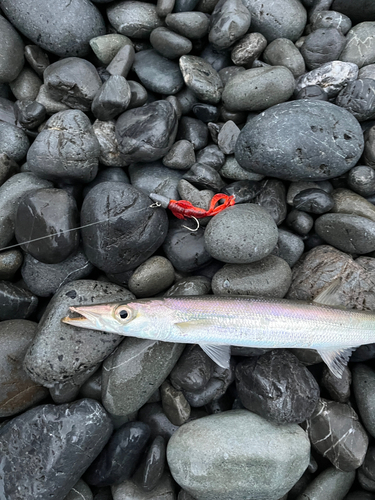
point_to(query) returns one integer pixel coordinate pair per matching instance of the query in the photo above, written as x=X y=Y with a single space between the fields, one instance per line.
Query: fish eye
x=122 y=313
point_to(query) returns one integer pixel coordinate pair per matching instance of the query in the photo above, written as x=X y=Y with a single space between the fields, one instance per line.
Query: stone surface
x=361 y=179
x=338 y=388
x=331 y=484
x=105 y=47
x=157 y=73
x=152 y=466
x=193 y=370
x=133 y=19
x=321 y=46
x=153 y=415
x=314 y=201
x=10 y=262
x=330 y=19
x=272 y=197
x=155 y=178
x=16 y=302
x=229 y=21
x=109 y=155
x=112 y=98
x=11 y=52
x=357 y=98
x=223 y=463
x=347 y=202
x=27 y=84
x=363 y=385
x=193 y=25
x=289 y=247
x=246 y=51
x=128 y=490
x=152 y=277
x=170 y=44
x=80 y=491
x=174 y=403
x=181 y=156
x=359 y=48
x=201 y=78
x=193 y=285
x=13 y=141
x=283 y=52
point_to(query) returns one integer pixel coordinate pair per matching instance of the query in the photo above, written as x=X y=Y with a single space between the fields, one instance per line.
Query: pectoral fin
x=336 y=359
x=218 y=353
x=329 y=296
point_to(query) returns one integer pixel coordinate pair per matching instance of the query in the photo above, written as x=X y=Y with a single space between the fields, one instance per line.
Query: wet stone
x=313 y=200
x=175 y=406
x=321 y=46
x=193 y=25
x=170 y=44
x=13 y=141
x=194 y=131
x=338 y=388
x=68 y=390
x=330 y=19
x=75 y=432
x=331 y=484
x=272 y=198
x=119 y=458
x=361 y=179
x=155 y=178
x=26 y=85
x=369 y=151
x=157 y=73
x=30 y=114
x=110 y=155
x=112 y=99
x=211 y=156
x=289 y=247
x=363 y=385
x=359 y=48
x=206 y=112
x=204 y=177
x=227 y=137
x=105 y=47
x=164 y=7
x=19 y=391
x=11 y=52
x=147 y=133
x=201 y=78
x=181 y=156
x=193 y=370
x=248 y=49
x=152 y=277
x=111 y=174
x=269 y=277
x=193 y=285
x=185 y=5
x=348 y=202
x=152 y=466
x=133 y=18
x=45 y=212
x=258 y=377
x=335 y=432
x=153 y=415
x=129 y=490
x=16 y=302
x=10 y=262
x=229 y=21
x=296 y=187
x=283 y=52
x=232 y=170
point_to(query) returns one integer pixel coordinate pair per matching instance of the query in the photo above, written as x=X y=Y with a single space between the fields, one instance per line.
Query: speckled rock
x=13 y=141
x=331 y=484
x=133 y=18
x=229 y=21
x=245 y=52
x=152 y=277
x=193 y=285
x=10 y=262
x=201 y=78
x=363 y=385
x=174 y=403
x=11 y=50
x=360 y=45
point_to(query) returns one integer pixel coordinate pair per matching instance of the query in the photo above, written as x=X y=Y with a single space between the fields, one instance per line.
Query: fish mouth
x=96 y=317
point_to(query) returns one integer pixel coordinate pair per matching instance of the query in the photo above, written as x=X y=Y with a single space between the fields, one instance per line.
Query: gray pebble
x=361 y=179
x=358 y=98
x=367 y=71
x=80 y=491
x=13 y=141
x=155 y=178
x=181 y=156
x=330 y=19
x=193 y=25
x=164 y=7
x=175 y=406
x=8 y=168
x=122 y=63
x=300 y=222
x=152 y=414
x=128 y=490
x=30 y=114
x=10 y=262
x=227 y=137
x=139 y=95
x=232 y=170
x=194 y=131
x=338 y=388
x=272 y=197
x=11 y=52
x=229 y=21
x=269 y=277
x=218 y=58
x=360 y=45
x=107 y=46
x=193 y=285
x=289 y=247
x=283 y=52
x=37 y=58
x=111 y=99
x=331 y=484
x=169 y=43
x=110 y=155
x=314 y=201
x=133 y=18
x=297 y=187
x=16 y=302
x=321 y=46
x=241 y=234
x=230 y=71
x=27 y=84
x=201 y=78
x=363 y=389
x=248 y=49
x=259 y=88
x=211 y=156
x=55 y=26
x=348 y=202
x=52 y=105
x=204 y=177
x=152 y=277
x=186 y=99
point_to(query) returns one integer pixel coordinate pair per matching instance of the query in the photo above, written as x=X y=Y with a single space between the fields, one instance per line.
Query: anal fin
x=329 y=296
x=336 y=359
x=218 y=353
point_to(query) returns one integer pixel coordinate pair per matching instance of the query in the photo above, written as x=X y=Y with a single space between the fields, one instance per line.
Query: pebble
x=131 y=238
x=367 y=71
x=227 y=137
x=358 y=98
x=247 y=50
x=204 y=177
x=212 y=156
x=361 y=179
x=263 y=148
x=52 y=105
x=363 y=384
x=244 y=191
x=360 y=495
x=229 y=21
x=300 y=222
x=26 y=85
x=269 y=277
x=289 y=247
x=110 y=155
x=19 y=391
x=139 y=95
x=283 y=52
x=360 y=45
x=193 y=25
x=338 y=388
x=122 y=63
x=331 y=484
x=181 y=156
x=11 y=52
x=10 y=262
x=164 y=7
x=155 y=178
x=369 y=151
x=8 y=168
x=193 y=285
x=147 y=133
x=335 y=432
x=133 y=19
x=241 y=234
x=112 y=98
x=37 y=58
x=170 y=44
x=347 y=202
x=152 y=277
x=312 y=92
x=206 y=112
x=13 y=141
x=152 y=414
x=201 y=78
x=232 y=170
x=193 y=370
x=57 y=155
x=113 y=174
x=152 y=467
x=330 y=19
x=56 y=27
x=58 y=351
x=277 y=387
x=30 y=114
x=128 y=490
x=321 y=46
x=119 y=458
x=194 y=131
x=223 y=463
x=65 y=438
x=157 y=73
x=105 y=47
x=314 y=201
x=80 y=491
x=272 y=198
x=174 y=403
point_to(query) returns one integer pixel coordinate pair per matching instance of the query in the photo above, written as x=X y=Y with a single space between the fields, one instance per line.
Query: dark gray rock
x=134 y=371
x=227 y=137
x=152 y=277
x=133 y=232
x=155 y=178
x=157 y=73
x=361 y=179
x=331 y=484
x=66 y=149
x=338 y=388
x=147 y=133
x=186 y=99
x=59 y=351
x=229 y=21
x=110 y=155
x=360 y=45
x=321 y=46
x=206 y=112
x=13 y=141
x=362 y=11
x=358 y=98
x=112 y=98
x=269 y=277
x=229 y=72
x=201 y=78
x=181 y=156
x=232 y=468
x=37 y=58
x=204 y=177
x=296 y=187
x=105 y=47
x=193 y=25
x=185 y=5
x=193 y=285
x=300 y=222
x=174 y=403
x=129 y=490
x=67 y=391
x=170 y=44
x=194 y=131
x=8 y=168
x=313 y=126
x=369 y=151
x=133 y=18
x=272 y=198
x=10 y=262
x=16 y=302
x=152 y=466
x=248 y=49
x=92 y=388
x=30 y=114
x=153 y=415
x=26 y=86
x=55 y=26
x=122 y=63
x=312 y=92
x=52 y=105
x=63 y=438
x=360 y=495
x=314 y=201
x=113 y=174
x=335 y=432
x=330 y=19
x=164 y=7
x=11 y=52
x=232 y=170
x=19 y=391
x=80 y=491
x=363 y=385
x=289 y=247
x=367 y=71
x=283 y=52
x=193 y=370
x=243 y=191
x=212 y=156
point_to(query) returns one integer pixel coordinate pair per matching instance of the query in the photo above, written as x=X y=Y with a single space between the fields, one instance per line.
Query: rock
x=133 y=19
x=232 y=170
x=331 y=484
x=204 y=177
x=212 y=156
x=128 y=490
x=51 y=105
x=119 y=458
x=37 y=58
x=283 y=52
x=157 y=73
x=26 y=86
x=59 y=351
x=289 y=247
x=300 y=222
x=122 y=63
x=246 y=51
x=133 y=232
x=135 y=371
x=194 y=131
x=181 y=156
x=330 y=19
x=8 y=168
x=241 y=234
x=112 y=99
x=338 y=388
x=347 y=202
x=311 y=92
x=30 y=114
x=139 y=95
x=272 y=198
x=321 y=46
x=152 y=277
x=110 y=155
x=105 y=47
x=363 y=384
x=152 y=466
x=336 y=433
x=229 y=21
x=201 y=78
x=314 y=201
x=360 y=45
x=306 y=122
x=11 y=52
x=227 y=137
x=350 y=233
x=361 y=179
x=175 y=406
x=13 y=141
x=114 y=174
x=193 y=370
x=80 y=491
x=369 y=152
x=153 y=415
x=170 y=44
x=57 y=155
x=10 y=262
x=227 y=442
x=193 y=25
x=147 y=133
x=56 y=27
x=19 y=391
x=193 y=285
x=16 y=302
x=357 y=98
x=155 y=178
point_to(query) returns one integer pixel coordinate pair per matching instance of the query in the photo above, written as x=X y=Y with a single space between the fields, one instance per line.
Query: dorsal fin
x=329 y=296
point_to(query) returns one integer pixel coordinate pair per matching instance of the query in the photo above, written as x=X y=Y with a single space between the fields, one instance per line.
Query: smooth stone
x=45 y=279
x=186 y=249
x=314 y=201
x=130 y=237
x=331 y=484
x=193 y=370
x=68 y=390
x=110 y=155
x=227 y=73
x=47 y=212
x=13 y=141
x=56 y=27
x=360 y=45
x=338 y=388
x=37 y=58
x=286 y=19
x=262 y=145
x=193 y=25
x=19 y=391
x=201 y=78
x=289 y=247
x=152 y=277
x=194 y=131
x=300 y=222
x=152 y=466
x=181 y=156
x=174 y=403
x=233 y=171
x=227 y=137
x=105 y=47
x=92 y=388
x=369 y=151
x=335 y=432
x=241 y=234
x=248 y=49
x=185 y=5
x=330 y=19
x=58 y=154
x=212 y=156
x=170 y=44
x=80 y=491
x=30 y=114
x=312 y=92
x=72 y=81
x=152 y=414
x=269 y=277
x=367 y=71
x=361 y=179
x=367 y=468
x=111 y=99
x=193 y=285
x=122 y=63
x=229 y=22
x=363 y=384
x=206 y=112
x=164 y=7
x=347 y=232
x=8 y=168
x=128 y=490
x=147 y=133
x=204 y=177
x=243 y=191
x=155 y=178
x=26 y=85
x=10 y=262
x=358 y=98
x=59 y=351
x=134 y=371
x=217 y=58
x=52 y=105
x=224 y=462
x=11 y=192
x=11 y=52
x=157 y=73
x=272 y=198
x=186 y=99
x=321 y=46
x=133 y=19
x=283 y=52
x=119 y=458
x=296 y=187
x=66 y=437
x=139 y=95
x=347 y=202
x=258 y=89
x=112 y=174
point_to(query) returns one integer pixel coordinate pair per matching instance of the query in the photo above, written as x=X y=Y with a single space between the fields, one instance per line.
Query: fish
x=218 y=322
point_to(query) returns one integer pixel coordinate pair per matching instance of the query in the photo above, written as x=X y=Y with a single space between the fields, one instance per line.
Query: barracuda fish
x=217 y=322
